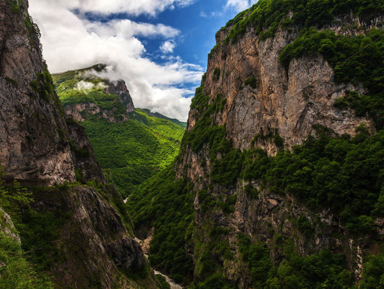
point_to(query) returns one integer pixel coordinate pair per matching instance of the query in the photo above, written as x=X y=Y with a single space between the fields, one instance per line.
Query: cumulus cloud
x=127 y=28
x=84 y=86
x=167 y=47
x=71 y=42
x=240 y=5
x=132 y=7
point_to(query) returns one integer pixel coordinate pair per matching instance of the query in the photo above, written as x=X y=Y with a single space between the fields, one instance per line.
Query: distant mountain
x=158 y=115
x=130 y=144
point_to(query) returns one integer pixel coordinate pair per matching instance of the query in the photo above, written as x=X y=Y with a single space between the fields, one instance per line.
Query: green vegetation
x=15 y=4
x=12 y=198
x=251 y=81
x=74 y=88
x=39 y=232
x=167 y=205
x=163 y=282
x=267 y=15
x=82 y=86
x=320 y=270
x=158 y=115
x=11 y=81
x=355 y=60
x=132 y=151
x=129 y=152
x=43 y=85
x=216 y=74
x=373 y=273
x=15 y=270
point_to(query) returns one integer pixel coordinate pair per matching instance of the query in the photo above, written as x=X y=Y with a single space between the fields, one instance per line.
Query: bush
x=216 y=74
x=251 y=81
x=16 y=271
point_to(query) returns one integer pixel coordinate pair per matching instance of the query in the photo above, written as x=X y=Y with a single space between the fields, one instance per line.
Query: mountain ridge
x=277 y=169
x=131 y=144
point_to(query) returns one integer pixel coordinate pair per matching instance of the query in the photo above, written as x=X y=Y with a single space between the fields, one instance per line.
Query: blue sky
x=159 y=47
x=198 y=24
x=198 y=28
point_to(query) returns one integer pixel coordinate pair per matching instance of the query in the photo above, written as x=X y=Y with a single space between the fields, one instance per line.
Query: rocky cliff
x=36 y=147
x=272 y=188
x=88 y=93
x=41 y=146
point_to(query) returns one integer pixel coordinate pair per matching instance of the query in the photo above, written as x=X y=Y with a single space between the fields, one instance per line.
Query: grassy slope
x=129 y=152
x=135 y=150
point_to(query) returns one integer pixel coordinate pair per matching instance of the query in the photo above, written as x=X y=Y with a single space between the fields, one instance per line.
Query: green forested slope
x=328 y=171
x=132 y=151
x=128 y=151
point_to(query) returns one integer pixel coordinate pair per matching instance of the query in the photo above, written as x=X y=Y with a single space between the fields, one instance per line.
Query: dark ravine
x=252 y=228
x=47 y=151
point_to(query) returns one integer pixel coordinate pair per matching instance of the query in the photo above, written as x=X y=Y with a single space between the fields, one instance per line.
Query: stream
x=169 y=280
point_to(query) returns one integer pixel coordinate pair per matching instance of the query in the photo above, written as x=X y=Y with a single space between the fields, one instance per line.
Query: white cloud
x=211 y=15
x=240 y=5
x=71 y=42
x=127 y=28
x=167 y=47
x=132 y=7
x=84 y=86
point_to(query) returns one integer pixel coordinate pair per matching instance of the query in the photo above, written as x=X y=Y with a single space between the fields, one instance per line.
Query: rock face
x=120 y=89
x=82 y=111
x=7 y=227
x=35 y=143
x=88 y=93
x=292 y=102
x=261 y=98
x=95 y=243
x=41 y=146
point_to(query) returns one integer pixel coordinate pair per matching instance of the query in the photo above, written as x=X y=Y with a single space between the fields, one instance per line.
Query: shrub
x=216 y=74
x=251 y=81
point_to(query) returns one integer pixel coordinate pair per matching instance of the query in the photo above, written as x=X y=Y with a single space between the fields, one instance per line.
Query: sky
x=159 y=47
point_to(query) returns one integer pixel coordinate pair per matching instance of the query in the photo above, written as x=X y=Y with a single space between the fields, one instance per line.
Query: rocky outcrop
x=290 y=102
x=94 y=243
x=41 y=146
x=261 y=98
x=120 y=89
x=7 y=227
x=83 y=111
x=113 y=102
x=35 y=142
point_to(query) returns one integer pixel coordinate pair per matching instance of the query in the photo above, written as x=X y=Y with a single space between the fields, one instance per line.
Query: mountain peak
x=88 y=93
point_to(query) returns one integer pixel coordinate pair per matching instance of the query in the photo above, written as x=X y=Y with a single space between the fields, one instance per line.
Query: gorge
x=277 y=181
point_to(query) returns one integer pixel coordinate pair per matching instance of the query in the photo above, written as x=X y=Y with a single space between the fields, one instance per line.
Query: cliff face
x=292 y=101
x=94 y=245
x=120 y=89
x=35 y=143
x=259 y=103
x=41 y=146
x=87 y=94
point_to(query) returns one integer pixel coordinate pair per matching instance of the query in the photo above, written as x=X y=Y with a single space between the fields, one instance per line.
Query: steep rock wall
x=35 y=143
x=41 y=146
x=260 y=97
x=82 y=111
